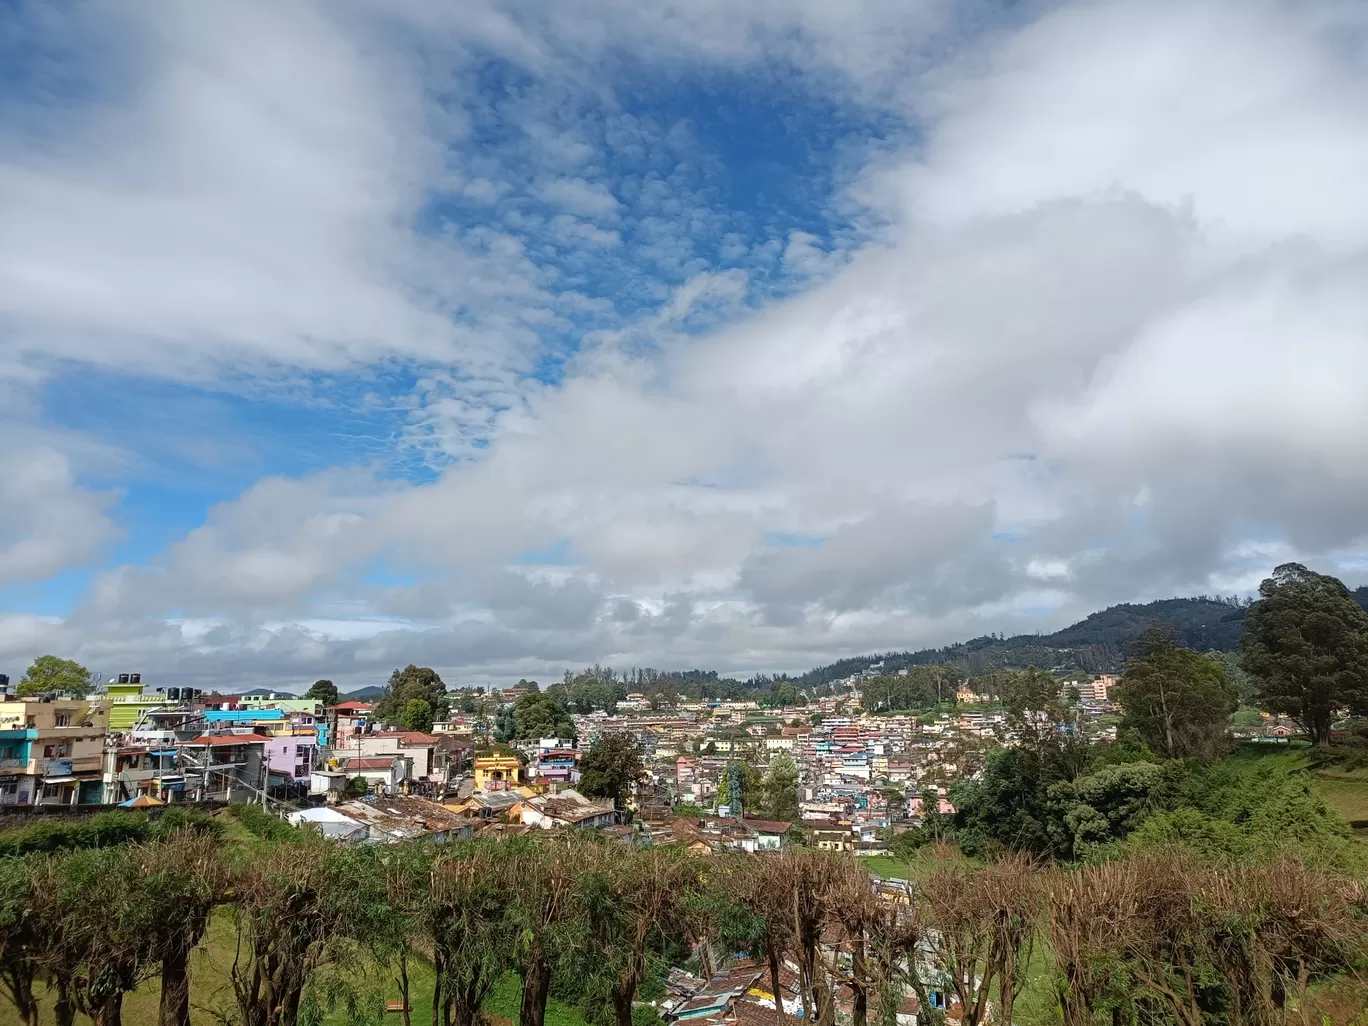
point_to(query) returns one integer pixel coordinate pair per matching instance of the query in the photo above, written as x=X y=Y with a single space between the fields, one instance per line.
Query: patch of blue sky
x=386 y=574
x=795 y=539
x=623 y=199
x=217 y=441
x=56 y=596
x=556 y=554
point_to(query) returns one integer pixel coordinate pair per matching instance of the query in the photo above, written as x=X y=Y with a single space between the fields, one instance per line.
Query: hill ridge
x=1095 y=644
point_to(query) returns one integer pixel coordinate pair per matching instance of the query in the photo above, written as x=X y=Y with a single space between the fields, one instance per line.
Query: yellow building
x=497 y=772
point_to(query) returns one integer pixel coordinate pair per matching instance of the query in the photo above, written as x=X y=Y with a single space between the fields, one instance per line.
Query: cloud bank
x=1042 y=310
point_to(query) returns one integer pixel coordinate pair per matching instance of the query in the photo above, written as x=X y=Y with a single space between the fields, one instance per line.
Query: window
x=64 y=719
x=49 y=751
x=9 y=785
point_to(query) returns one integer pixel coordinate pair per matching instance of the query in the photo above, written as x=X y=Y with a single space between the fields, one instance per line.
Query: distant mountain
x=1096 y=644
x=365 y=694
x=269 y=691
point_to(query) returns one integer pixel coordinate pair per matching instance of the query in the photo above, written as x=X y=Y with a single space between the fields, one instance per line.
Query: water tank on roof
x=135 y=678
x=123 y=678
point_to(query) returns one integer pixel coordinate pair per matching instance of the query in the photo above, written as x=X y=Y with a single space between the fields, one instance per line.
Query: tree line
x=1152 y=938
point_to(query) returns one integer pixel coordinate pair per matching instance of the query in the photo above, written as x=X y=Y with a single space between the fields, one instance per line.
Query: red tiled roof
x=766 y=826
x=374 y=763
x=411 y=737
x=227 y=739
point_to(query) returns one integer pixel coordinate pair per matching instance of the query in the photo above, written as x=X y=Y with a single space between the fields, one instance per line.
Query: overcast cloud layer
x=508 y=337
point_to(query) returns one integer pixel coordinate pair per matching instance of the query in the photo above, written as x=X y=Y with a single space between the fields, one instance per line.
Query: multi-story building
x=128 y=701
x=51 y=751
x=132 y=769
x=225 y=767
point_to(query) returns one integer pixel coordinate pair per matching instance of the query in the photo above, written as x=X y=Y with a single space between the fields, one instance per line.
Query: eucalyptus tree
x=1306 y=646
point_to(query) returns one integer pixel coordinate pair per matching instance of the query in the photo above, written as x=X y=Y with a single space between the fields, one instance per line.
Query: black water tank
x=123 y=678
x=135 y=678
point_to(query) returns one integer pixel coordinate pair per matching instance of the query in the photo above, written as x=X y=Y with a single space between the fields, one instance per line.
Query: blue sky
x=506 y=337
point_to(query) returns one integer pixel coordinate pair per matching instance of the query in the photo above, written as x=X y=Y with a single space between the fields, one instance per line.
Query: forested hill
x=1094 y=645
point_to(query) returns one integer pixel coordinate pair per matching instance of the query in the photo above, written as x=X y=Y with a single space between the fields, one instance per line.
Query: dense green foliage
x=1093 y=645
x=324 y=691
x=611 y=766
x=1177 y=700
x=539 y=714
x=1307 y=649
x=101 y=830
x=417 y=715
x=921 y=687
x=262 y=823
x=63 y=676
x=781 y=789
x=412 y=683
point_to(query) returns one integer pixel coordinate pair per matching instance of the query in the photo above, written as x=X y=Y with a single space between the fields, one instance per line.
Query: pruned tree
x=96 y=926
x=469 y=927
x=21 y=938
x=284 y=925
x=635 y=899
x=984 y=919
x=1091 y=913
x=544 y=916
x=182 y=878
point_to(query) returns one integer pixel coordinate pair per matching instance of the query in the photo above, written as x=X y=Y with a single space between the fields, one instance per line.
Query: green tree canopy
x=752 y=786
x=418 y=715
x=1306 y=646
x=611 y=766
x=1177 y=700
x=323 y=691
x=412 y=682
x=49 y=673
x=920 y=687
x=505 y=724
x=538 y=714
x=781 y=788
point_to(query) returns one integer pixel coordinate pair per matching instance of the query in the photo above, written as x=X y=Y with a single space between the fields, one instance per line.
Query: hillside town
x=844 y=769
x=859 y=777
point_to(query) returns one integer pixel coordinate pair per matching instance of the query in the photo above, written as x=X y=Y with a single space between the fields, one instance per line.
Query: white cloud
x=1107 y=345
x=48 y=523
x=580 y=197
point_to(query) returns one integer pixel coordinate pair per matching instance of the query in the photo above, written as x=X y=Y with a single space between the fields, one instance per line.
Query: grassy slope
x=1341 y=783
